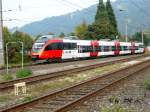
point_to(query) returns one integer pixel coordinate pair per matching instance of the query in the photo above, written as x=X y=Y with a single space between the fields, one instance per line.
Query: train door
x=69 y=50
x=94 y=45
x=118 y=48
x=132 y=48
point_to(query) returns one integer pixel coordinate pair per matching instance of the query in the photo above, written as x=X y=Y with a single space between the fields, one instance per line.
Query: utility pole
x=1 y=36
x=126 y=31
x=142 y=36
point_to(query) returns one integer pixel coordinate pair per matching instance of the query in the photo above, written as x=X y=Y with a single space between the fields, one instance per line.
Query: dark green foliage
x=114 y=108
x=113 y=29
x=23 y=73
x=62 y=35
x=105 y=25
x=100 y=26
x=14 y=50
x=101 y=12
x=7 y=77
x=81 y=30
x=147 y=84
x=27 y=99
x=138 y=37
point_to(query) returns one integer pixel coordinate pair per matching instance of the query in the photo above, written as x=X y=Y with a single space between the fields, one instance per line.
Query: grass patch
x=5 y=98
x=7 y=77
x=114 y=100
x=23 y=73
x=27 y=99
x=114 y=108
x=147 y=84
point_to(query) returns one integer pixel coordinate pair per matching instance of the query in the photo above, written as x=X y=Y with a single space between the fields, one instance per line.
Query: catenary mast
x=1 y=36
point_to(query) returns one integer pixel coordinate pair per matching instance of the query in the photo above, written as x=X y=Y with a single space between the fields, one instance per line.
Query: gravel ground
x=54 y=67
x=132 y=95
x=37 y=89
x=44 y=68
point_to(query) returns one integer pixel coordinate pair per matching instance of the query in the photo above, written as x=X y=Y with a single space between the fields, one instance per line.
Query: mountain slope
x=67 y=23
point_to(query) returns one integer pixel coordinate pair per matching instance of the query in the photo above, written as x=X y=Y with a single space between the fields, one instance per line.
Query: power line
x=76 y=5
x=142 y=10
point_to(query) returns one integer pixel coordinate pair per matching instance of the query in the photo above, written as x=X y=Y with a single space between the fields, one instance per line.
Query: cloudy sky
x=26 y=11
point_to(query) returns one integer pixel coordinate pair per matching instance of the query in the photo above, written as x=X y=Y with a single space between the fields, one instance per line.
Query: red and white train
x=62 y=49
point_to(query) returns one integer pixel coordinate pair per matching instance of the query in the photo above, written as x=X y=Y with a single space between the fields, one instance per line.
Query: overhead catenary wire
x=140 y=9
x=64 y=2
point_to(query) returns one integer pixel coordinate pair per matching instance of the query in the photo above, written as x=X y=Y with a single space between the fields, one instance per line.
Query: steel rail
x=38 y=64
x=34 y=79
x=116 y=76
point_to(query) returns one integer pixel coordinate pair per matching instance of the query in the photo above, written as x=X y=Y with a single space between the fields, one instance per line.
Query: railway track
x=39 y=64
x=34 y=79
x=65 y=99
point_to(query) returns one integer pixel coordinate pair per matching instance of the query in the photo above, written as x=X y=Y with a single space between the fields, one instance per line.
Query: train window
x=110 y=48
x=98 y=48
x=106 y=48
x=136 y=47
x=141 y=46
x=74 y=46
x=119 y=48
x=54 y=46
x=113 y=48
x=128 y=47
x=102 y=48
x=85 y=49
x=60 y=46
x=48 y=47
x=125 y=48
x=69 y=46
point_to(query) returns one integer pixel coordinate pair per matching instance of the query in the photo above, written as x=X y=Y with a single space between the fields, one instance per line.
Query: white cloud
x=33 y=10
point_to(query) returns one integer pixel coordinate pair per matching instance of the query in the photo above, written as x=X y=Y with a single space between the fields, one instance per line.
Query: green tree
x=99 y=29
x=7 y=38
x=16 y=48
x=71 y=34
x=113 y=29
x=138 y=37
x=62 y=35
x=37 y=37
x=25 y=38
x=81 y=30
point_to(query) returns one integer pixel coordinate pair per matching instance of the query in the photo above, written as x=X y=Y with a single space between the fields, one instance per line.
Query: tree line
x=14 y=49
x=104 y=25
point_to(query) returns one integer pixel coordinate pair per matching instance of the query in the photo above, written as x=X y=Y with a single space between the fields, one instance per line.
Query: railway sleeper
x=43 y=107
x=56 y=102
x=37 y=110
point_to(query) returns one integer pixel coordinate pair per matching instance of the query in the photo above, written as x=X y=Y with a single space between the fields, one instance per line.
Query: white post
x=126 y=31
x=1 y=36
x=22 y=54
x=7 y=56
x=142 y=36
x=7 y=59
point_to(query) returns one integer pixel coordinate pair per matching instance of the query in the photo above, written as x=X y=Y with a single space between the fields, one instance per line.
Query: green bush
x=23 y=73
x=27 y=99
x=147 y=84
x=114 y=108
x=7 y=77
x=114 y=100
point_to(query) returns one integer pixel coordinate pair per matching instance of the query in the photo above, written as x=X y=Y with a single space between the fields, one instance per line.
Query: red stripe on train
x=132 y=48
x=117 y=45
x=94 y=44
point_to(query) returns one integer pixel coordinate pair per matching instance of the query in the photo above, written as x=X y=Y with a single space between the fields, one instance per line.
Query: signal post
x=1 y=36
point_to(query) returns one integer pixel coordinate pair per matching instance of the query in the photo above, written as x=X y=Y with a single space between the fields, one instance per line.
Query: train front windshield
x=37 y=47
